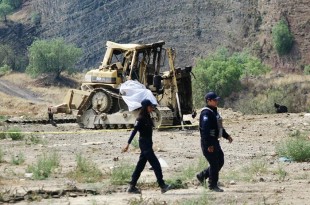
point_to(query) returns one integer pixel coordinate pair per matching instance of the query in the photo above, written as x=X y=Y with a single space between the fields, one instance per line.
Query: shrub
x=10 y=60
x=36 y=18
x=280 y=171
x=256 y=168
x=18 y=159
x=85 y=171
x=7 y=56
x=34 y=140
x=1 y=155
x=121 y=174
x=2 y=134
x=282 y=38
x=191 y=171
x=5 y=69
x=2 y=118
x=221 y=72
x=44 y=166
x=296 y=148
x=15 y=134
x=307 y=70
x=20 y=63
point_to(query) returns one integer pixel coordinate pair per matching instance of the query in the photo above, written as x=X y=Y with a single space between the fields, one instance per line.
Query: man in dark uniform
x=211 y=129
x=144 y=125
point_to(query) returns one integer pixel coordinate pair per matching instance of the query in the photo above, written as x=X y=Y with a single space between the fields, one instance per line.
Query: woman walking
x=144 y=125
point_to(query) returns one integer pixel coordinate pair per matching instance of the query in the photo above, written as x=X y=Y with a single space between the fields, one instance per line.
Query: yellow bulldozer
x=102 y=102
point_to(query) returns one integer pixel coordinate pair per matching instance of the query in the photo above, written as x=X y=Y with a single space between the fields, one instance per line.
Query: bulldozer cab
x=136 y=61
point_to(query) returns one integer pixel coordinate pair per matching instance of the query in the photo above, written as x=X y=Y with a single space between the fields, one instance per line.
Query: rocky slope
x=195 y=28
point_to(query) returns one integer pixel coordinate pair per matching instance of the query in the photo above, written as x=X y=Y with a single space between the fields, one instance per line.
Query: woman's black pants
x=147 y=154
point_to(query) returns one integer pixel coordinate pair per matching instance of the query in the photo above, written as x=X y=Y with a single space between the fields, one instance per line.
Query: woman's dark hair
x=143 y=112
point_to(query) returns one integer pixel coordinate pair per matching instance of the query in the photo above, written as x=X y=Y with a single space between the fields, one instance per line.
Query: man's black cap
x=211 y=96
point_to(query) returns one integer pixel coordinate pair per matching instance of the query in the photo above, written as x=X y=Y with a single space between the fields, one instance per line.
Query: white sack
x=134 y=92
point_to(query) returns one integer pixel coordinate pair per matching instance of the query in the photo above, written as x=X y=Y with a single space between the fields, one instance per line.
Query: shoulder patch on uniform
x=205 y=118
x=136 y=123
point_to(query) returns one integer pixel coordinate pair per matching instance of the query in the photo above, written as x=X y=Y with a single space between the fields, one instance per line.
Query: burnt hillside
x=194 y=27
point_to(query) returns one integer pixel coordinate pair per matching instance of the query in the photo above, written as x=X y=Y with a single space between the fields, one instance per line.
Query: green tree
x=5 y=9
x=15 y=4
x=282 y=38
x=6 y=55
x=221 y=72
x=53 y=57
x=9 y=59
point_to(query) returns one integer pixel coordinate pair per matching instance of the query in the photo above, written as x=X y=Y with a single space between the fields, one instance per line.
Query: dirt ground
x=255 y=138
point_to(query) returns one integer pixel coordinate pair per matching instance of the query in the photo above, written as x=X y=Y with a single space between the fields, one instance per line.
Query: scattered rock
x=92 y=143
x=232 y=182
x=273 y=154
x=28 y=175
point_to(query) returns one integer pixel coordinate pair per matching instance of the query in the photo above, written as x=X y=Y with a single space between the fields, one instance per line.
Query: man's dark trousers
x=216 y=162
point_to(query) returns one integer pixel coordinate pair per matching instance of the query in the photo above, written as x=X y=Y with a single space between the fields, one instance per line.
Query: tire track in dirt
x=14 y=90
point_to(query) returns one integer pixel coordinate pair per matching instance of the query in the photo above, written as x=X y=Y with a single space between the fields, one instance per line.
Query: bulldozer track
x=188 y=126
x=41 y=121
x=64 y=121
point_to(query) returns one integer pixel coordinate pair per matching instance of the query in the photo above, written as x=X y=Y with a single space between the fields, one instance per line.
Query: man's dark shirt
x=208 y=127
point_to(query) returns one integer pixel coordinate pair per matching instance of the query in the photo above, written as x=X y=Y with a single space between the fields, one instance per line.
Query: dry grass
x=15 y=106
x=18 y=79
x=289 y=79
x=262 y=92
x=53 y=95
x=22 y=15
x=297 y=84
